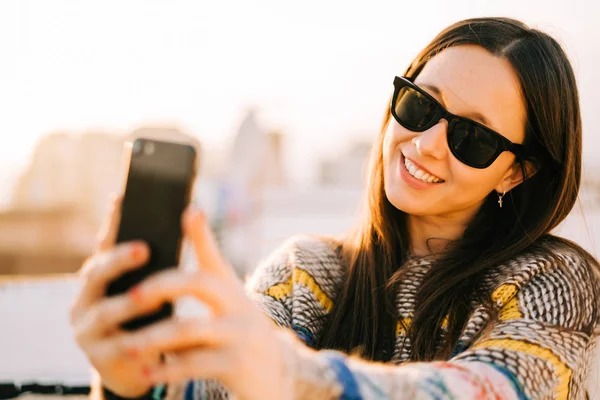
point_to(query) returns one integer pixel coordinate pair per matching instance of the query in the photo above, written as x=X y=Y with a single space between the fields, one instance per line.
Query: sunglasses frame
x=518 y=150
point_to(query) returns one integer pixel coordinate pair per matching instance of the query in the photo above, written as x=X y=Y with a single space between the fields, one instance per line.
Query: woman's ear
x=519 y=172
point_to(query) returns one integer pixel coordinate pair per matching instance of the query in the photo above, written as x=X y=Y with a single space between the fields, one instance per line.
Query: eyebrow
x=472 y=115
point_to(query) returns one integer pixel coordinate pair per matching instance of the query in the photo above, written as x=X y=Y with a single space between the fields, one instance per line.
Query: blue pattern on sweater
x=304 y=335
x=189 y=391
x=513 y=380
x=345 y=377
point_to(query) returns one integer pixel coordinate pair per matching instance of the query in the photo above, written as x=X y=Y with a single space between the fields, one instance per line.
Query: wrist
x=306 y=373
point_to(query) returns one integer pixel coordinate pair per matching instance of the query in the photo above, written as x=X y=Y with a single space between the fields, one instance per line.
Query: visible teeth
x=419 y=173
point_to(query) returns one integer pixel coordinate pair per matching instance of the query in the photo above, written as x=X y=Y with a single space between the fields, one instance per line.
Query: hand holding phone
x=157 y=191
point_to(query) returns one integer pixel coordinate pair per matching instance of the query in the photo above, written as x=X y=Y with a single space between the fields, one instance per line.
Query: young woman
x=453 y=287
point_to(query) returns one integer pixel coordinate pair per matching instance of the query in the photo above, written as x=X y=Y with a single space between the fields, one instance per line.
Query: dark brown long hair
x=363 y=316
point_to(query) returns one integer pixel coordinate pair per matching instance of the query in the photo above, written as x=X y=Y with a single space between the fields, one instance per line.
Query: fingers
x=200 y=364
x=104 y=352
x=205 y=286
x=195 y=226
x=174 y=335
x=108 y=232
x=103 y=268
x=106 y=316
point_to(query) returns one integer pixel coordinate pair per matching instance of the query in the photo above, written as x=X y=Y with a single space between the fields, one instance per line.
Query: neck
x=432 y=234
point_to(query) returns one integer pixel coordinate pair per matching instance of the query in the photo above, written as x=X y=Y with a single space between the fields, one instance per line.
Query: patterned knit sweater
x=538 y=345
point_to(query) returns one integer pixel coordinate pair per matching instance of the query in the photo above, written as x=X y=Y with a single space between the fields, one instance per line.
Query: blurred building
x=38 y=241
x=61 y=198
x=254 y=166
x=72 y=172
x=348 y=169
x=57 y=203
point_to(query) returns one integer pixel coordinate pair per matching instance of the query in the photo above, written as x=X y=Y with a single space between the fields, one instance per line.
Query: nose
x=433 y=141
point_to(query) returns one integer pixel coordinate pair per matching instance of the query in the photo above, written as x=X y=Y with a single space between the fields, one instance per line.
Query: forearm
x=333 y=375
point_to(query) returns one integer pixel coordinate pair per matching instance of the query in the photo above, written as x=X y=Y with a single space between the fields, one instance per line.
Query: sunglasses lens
x=472 y=144
x=413 y=109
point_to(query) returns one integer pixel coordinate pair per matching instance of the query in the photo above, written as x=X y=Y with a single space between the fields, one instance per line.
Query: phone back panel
x=157 y=191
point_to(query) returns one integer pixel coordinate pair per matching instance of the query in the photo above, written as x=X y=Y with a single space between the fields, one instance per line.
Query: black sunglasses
x=472 y=143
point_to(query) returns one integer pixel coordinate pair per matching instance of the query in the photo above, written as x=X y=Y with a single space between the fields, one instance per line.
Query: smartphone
x=158 y=188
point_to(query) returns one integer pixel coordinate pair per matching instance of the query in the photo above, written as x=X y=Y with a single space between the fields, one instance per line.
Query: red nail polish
x=136 y=252
x=132 y=352
x=147 y=372
x=135 y=293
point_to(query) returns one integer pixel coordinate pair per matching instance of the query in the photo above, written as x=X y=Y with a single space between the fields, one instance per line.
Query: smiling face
x=470 y=82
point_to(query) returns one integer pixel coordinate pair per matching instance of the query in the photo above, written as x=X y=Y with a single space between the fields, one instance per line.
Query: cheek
x=389 y=139
x=394 y=135
x=473 y=185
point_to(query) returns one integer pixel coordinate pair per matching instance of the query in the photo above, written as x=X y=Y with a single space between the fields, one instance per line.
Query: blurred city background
x=283 y=98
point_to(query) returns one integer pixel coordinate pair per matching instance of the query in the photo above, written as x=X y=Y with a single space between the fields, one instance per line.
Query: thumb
x=196 y=227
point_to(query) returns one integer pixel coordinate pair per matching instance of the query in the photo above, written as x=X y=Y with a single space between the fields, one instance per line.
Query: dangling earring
x=500 y=196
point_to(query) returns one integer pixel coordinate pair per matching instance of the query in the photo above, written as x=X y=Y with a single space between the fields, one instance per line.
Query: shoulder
x=551 y=255
x=299 y=257
x=554 y=282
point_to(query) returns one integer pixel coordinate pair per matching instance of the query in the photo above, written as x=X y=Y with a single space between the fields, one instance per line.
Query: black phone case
x=157 y=191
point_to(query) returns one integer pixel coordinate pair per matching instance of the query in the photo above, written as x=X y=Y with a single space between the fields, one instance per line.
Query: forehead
x=472 y=80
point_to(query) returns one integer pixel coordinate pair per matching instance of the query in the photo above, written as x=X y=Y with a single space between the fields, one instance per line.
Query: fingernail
x=135 y=293
x=136 y=251
x=188 y=216
x=147 y=372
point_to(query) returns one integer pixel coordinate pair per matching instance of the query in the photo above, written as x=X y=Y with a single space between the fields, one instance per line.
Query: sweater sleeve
x=538 y=347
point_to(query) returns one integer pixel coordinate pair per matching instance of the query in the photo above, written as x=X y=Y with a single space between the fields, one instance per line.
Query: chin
x=402 y=201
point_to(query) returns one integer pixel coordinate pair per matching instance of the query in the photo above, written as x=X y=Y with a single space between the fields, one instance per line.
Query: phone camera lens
x=149 y=149
x=137 y=147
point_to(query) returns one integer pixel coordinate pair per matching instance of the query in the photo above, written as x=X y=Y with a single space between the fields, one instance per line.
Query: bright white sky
x=320 y=70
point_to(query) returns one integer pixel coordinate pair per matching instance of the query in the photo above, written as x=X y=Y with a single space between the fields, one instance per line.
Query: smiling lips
x=419 y=174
